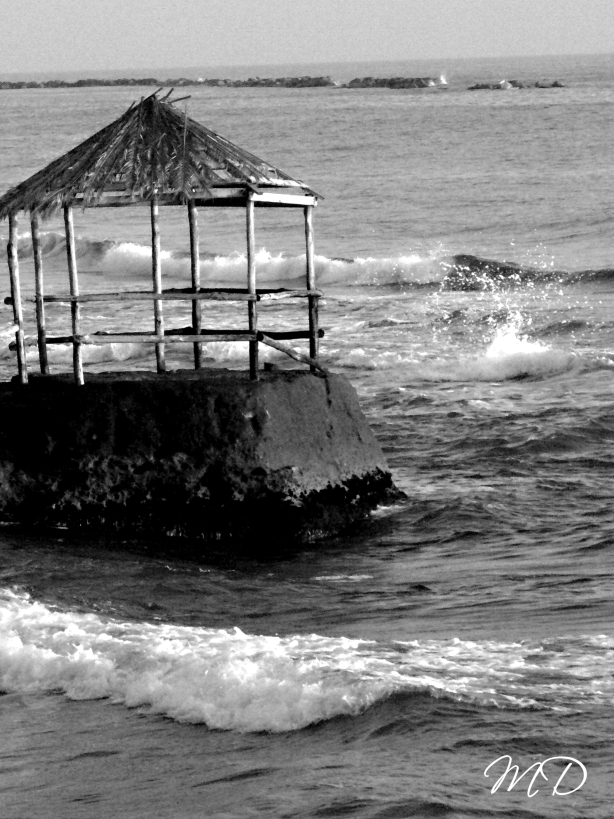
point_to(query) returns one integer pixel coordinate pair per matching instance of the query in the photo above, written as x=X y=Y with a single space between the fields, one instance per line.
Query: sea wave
x=231 y=680
x=53 y=245
x=467 y=272
x=510 y=355
x=438 y=269
x=215 y=353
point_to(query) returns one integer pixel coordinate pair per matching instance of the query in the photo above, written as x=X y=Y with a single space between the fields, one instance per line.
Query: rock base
x=207 y=455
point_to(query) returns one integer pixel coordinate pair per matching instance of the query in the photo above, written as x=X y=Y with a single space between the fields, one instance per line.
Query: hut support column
x=156 y=270
x=39 y=292
x=195 y=268
x=311 y=285
x=75 y=310
x=251 y=288
x=13 y=261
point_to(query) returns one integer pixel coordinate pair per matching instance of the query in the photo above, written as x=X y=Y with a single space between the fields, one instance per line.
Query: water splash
x=509 y=355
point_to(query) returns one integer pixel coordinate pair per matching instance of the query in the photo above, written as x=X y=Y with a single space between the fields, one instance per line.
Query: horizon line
x=239 y=66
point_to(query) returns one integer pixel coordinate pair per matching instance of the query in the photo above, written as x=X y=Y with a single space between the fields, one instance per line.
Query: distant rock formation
x=278 y=82
x=283 y=82
x=181 y=82
x=397 y=82
x=251 y=82
x=505 y=85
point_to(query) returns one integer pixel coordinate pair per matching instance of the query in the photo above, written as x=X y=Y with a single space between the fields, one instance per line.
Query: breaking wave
x=54 y=245
x=228 y=679
x=509 y=355
x=437 y=270
x=132 y=260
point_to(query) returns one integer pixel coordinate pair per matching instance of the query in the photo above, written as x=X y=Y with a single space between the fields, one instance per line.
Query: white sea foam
x=62 y=354
x=344 y=578
x=7 y=336
x=129 y=259
x=509 y=355
x=231 y=680
x=132 y=261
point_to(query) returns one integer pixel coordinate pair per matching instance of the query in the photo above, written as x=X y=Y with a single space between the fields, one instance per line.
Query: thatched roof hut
x=154 y=153
x=153 y=149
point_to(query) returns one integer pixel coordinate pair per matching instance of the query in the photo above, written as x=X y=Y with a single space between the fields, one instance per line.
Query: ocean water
x=465 y=247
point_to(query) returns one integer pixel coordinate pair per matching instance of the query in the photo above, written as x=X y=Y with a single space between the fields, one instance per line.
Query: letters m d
x=539 y=771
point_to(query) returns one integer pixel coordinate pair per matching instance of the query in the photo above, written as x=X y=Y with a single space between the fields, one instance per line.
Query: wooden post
x=195 y=268
x=39 y=293
x=13 y=260
x=311 y=285
x=75 y=310
x=251 y=287
x=156 y=270
x=292 y=352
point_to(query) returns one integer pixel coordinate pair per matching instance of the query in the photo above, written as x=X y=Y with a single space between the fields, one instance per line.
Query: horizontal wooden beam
x=283 y=199
x=147 y=338
x=280 y=334
x=261 y=291
x=289 y=335
x=143 y=296
x=167 y=338
x=208 y=294
x=273 y=295
x=179 y=335
x=287 y=194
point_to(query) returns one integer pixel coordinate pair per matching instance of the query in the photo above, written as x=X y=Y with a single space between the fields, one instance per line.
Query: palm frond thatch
x=153 y=148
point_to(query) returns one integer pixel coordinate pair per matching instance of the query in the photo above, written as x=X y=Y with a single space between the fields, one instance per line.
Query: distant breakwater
x=181 y=82
x=505 y=85
x=274 y=82
x=252 y=82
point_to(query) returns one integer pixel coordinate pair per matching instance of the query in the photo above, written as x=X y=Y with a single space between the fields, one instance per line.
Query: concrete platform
x=205 y=454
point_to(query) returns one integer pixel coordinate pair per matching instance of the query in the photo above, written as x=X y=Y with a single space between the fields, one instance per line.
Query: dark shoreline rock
x=205 y=455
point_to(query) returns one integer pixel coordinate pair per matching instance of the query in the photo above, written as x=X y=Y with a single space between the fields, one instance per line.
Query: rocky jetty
x=395 y=82
x=279 y=82
x=251 y=82
x=181 y=82
x=506 y=85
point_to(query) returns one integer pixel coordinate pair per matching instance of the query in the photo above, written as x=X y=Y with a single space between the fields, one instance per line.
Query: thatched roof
x=152 y=148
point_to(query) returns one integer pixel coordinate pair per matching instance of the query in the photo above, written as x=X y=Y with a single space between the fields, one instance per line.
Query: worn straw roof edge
x=152 y=148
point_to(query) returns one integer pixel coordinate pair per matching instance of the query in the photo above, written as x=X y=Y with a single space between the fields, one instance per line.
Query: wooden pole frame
x=252 y=312
x=39 y=293
x=75 y=310
x=195 y=271
x=311 y=285
x=156 y=271
x=13 y=260
x=193 y=334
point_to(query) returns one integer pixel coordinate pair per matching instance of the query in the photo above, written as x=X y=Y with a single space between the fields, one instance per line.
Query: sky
x=46 y=36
